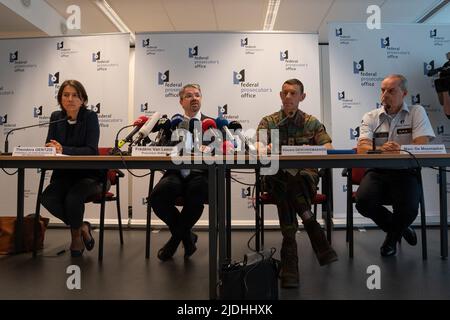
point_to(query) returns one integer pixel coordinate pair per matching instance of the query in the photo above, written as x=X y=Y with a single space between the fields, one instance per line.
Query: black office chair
x=179 y=202
x=112 y=178
x=325 y=199
x=354 y=177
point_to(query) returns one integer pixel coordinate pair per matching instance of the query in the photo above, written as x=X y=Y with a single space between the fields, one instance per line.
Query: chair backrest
x=357 y=175
x=112 y=174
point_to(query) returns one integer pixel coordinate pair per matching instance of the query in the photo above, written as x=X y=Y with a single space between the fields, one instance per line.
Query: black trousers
x=65 y=198
x=193 y=189
x=399 y=188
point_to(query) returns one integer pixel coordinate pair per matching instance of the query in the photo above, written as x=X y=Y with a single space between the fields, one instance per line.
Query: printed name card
x=34 y=151
x=424 y=148
x=303 y=150
x=149 y=151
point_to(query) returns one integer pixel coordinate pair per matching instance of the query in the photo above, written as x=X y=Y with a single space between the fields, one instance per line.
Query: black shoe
x=76 y=253
x=169 y=249
x=189 y=244
x=389 y=247
x=410 y=236
x=89 y=244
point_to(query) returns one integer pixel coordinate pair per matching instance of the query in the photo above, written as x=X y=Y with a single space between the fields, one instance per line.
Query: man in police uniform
x=293 y=190
x=386 y=129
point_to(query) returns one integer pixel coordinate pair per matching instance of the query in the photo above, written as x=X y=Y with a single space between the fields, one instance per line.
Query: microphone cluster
x=222 y=134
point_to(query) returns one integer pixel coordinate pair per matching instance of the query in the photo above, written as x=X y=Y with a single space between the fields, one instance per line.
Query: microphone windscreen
x=162 y=124
x=207 y=124
x=175 y=120
x=221 y=122
x=234 y=125
x=140 y=121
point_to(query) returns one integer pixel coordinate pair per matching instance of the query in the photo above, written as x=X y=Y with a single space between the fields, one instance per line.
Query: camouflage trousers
x=292 y=194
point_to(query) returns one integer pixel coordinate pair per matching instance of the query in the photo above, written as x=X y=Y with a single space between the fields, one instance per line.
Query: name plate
x=34 y=151
x=424 y=148
x=303 y=150
x=149 y=151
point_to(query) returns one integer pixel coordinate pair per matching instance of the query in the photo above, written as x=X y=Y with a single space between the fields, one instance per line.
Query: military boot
x=289 y=261
x=324 y=252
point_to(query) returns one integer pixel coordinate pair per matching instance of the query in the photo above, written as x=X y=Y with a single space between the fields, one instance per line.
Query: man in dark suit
x=192 y=185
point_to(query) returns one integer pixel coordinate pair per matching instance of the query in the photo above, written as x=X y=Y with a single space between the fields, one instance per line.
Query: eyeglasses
x=191 y=96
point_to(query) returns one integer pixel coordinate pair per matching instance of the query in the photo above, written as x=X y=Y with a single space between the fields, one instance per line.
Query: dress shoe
x=389 y=247
x=89 y=244
x=189 y=244
x=76 y=253
x=410 y=236
x=169 y=249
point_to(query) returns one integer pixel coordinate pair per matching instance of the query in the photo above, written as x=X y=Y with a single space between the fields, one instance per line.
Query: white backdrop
x=359 y=59
x=31 y=73
x=240 y=74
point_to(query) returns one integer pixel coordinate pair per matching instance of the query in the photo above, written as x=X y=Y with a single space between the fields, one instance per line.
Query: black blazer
x=76 y=139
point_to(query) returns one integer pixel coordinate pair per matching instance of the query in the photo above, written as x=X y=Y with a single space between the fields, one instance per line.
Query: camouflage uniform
x=302 y=129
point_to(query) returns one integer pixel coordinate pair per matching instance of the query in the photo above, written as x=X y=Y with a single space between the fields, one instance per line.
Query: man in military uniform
x=293 y=190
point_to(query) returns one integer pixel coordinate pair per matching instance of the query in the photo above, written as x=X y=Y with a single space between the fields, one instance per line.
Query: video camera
x=442 y=84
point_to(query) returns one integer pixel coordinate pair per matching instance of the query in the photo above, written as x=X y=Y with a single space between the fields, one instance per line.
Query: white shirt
x=409 y=123
x=198 y=115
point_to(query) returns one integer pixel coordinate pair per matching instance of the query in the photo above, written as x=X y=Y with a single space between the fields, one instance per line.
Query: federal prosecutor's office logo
x=290 y=63
x=53 y=79
x=171 y=89
x=144 y=107
x=246 y=192
x=433 y=33
x=13 y=56
x=163 y=77
x=392 y=52
x=63 y=50
x=200 y=62
x=37 y=112
x=415 y=99
x=96 y=56
x=60 y=45
x=368 y=79
x=438 y=40
x=3 y=119
x=238 y=77
x=385 y=42
x=358 y=66
x=428 y=67
x=354 y=133
x=222 y=110
x=344 y=39
x=249 y=48
x=5 y=91
x=347 y=103
x=193 y=52
x=146 y=43
x=150 y=49
x=96 y=108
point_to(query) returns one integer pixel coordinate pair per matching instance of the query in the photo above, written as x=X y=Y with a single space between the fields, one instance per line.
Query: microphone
x=34 y=125
x=222 y=123
x=175 y=121
x=145 y=130
x=163 y=128
x=208 y=124
x=138 y=123
x=237 y=128
x=283 y=121
x=374 y=150
x=194 y=128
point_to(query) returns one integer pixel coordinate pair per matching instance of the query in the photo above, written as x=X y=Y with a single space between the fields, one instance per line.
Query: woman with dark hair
x=68 y=190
